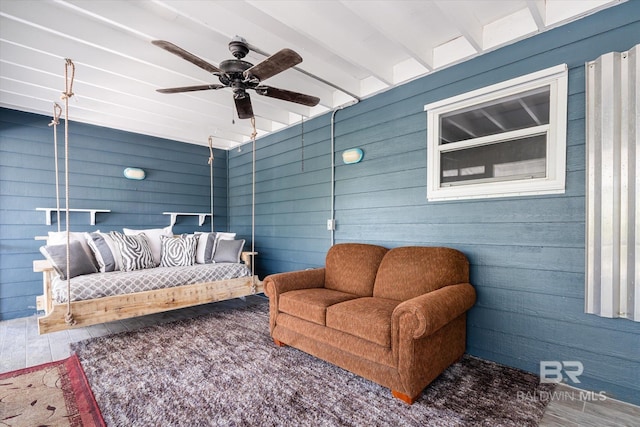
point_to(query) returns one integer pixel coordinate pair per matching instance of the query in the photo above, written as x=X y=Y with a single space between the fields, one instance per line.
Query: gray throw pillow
x=79 y=261
x=228 y=251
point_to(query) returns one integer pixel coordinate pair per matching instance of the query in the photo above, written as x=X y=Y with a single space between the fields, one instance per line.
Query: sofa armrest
x=429 y=312
x=276 y=284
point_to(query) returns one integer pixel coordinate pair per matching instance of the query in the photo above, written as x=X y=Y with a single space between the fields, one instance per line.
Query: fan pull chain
x=253 y=205
x=55 y=121
x=211 y=176
x=68 y=93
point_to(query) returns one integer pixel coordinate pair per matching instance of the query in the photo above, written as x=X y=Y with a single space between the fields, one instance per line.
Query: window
x=508 y=139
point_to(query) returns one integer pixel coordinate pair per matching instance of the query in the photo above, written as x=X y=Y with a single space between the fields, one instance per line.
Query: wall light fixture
x=134 y=173
x=353 y=155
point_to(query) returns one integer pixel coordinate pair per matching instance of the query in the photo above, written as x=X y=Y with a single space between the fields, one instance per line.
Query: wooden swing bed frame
x=118 y=307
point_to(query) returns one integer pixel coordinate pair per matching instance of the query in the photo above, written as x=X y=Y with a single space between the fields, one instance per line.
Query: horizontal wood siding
x=292 y=197
x=178 y=180
x=527 y=254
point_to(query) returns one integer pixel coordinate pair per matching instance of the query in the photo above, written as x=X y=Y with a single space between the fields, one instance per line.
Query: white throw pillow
x=225 y=236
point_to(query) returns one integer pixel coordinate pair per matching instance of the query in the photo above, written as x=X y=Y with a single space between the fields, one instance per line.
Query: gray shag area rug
x=222 y=368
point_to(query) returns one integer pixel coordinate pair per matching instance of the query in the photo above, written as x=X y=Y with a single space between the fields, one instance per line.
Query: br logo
x=554 y=371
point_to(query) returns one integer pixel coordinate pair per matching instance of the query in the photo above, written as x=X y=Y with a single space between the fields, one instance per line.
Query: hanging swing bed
x=73 y=311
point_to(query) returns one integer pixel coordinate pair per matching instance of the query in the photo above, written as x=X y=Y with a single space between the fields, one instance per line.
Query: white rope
x=211 y=176
x=55 y=121
x=68 y=93
x=253 y=205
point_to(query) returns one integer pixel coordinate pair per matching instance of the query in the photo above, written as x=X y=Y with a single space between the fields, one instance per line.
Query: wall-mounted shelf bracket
x=174 y=216
x=92 y=213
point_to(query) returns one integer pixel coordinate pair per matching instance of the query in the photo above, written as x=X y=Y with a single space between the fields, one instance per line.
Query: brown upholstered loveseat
x=396 y=317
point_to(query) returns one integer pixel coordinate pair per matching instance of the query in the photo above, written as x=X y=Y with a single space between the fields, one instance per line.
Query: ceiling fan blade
x=287 y=95
x=276 y=63
x=243 y=106
x=170 y=47
x=189 y=88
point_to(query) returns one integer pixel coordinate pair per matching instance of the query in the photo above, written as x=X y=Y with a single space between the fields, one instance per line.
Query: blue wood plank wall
x=178 y=180
x=527 y=254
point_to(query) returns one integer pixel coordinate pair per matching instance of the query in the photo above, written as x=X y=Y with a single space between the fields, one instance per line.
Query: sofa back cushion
x=409 y=271
x=352 y=267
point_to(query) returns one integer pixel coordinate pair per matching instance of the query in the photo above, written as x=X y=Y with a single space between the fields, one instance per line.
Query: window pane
x=520 y=111
x=505 y=161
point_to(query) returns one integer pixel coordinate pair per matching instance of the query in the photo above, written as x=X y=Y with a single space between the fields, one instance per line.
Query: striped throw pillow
x=135 y=251
x=178 y=251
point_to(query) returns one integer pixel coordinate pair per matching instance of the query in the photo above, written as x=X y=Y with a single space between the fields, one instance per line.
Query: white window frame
x=556 y=130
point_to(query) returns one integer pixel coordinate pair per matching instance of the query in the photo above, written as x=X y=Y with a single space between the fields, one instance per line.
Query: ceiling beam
x=461 y=17
x=538 y=10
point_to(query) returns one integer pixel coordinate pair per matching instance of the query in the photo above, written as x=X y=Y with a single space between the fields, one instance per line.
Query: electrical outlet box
x=331 y=224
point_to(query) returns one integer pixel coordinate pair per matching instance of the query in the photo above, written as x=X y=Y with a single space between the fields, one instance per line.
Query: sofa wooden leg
x=279 y=343
x=406 y=399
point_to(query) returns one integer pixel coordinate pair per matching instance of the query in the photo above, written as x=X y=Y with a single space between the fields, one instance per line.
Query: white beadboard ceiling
x=351 y=49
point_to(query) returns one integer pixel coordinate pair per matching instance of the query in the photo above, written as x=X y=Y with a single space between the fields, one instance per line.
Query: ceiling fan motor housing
x=239 y=47
x=233 y=74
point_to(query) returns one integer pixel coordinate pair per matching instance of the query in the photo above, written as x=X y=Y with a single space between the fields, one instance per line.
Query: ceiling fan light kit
x=240 y=75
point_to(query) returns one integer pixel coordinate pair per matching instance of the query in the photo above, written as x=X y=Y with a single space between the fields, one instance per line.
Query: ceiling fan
x=240 y=75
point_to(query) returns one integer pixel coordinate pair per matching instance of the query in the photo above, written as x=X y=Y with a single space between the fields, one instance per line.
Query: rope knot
x=69 y=320
x=57 y=112
x=210 y=150
x=68 y=80
x=255 y=132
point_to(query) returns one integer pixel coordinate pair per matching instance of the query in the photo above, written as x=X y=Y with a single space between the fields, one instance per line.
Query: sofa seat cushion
x=311 y=304
x=367 y=318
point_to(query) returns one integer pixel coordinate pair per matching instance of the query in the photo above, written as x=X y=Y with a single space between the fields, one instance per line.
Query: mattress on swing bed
x=99 y=285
